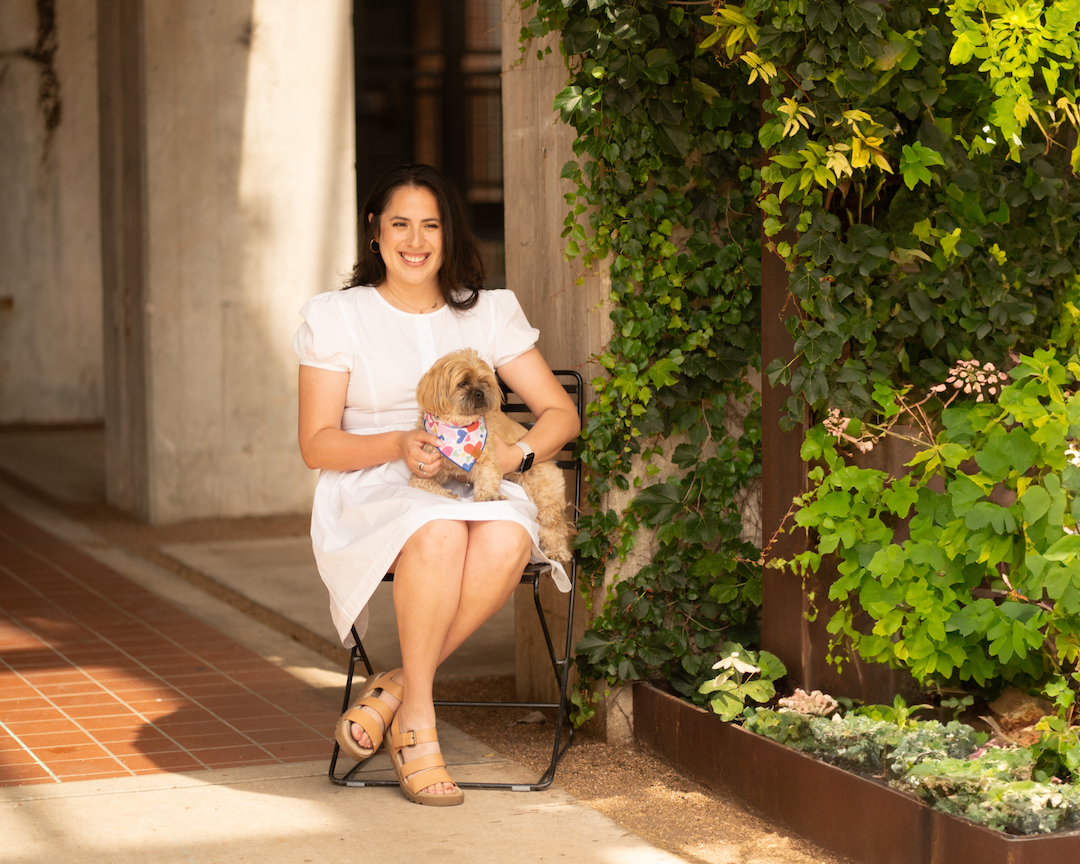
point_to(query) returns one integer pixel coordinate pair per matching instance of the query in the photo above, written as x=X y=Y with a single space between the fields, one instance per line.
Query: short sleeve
x=323 y=339
x=512 y=335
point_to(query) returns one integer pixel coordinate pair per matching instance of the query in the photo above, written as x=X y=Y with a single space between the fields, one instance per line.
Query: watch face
x=526 y=463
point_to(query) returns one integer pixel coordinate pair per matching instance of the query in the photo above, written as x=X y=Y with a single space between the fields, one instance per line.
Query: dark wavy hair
x=461 y=277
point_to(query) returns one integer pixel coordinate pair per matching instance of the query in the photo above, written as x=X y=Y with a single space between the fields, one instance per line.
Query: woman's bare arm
x=324 y=444
x=530 y=377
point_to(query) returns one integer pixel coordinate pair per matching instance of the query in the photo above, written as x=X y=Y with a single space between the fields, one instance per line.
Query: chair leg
x=562 y=676
x=356 y=655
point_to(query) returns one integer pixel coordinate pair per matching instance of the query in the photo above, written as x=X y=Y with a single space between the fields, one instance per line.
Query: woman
x=415 y=295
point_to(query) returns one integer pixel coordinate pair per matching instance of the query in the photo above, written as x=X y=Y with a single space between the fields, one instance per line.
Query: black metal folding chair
x=560 y=665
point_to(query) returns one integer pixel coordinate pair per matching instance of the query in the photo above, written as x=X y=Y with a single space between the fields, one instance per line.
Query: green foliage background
x=917 y=176
x=665 y=184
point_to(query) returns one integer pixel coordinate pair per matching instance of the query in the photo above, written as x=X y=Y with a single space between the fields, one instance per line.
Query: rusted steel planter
x=840 y=811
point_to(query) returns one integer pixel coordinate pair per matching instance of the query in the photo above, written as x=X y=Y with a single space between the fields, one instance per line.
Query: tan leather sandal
x=423 y=771
x=356 y=714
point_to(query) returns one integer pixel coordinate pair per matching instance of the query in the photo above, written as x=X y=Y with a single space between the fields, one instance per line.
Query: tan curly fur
x=458 y=389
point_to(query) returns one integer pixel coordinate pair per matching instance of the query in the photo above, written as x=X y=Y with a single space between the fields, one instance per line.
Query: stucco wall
x=50 y=261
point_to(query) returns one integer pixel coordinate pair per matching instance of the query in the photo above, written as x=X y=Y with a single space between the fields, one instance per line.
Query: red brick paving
x=101 y=678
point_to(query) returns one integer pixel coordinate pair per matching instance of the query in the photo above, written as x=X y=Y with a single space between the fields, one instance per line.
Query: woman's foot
x=360 y=730
x=410 y=722
x=391 y=701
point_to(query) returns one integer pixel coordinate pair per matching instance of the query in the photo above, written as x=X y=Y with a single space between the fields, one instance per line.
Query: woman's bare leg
x=449 y=579
x=497 y=554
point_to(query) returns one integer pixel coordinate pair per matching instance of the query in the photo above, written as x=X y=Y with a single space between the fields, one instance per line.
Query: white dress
x=361 y=519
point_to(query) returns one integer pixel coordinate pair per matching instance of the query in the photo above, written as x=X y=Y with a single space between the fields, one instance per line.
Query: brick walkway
x=100 y=678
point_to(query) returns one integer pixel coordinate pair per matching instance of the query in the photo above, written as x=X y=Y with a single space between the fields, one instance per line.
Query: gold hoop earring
x=373 y=245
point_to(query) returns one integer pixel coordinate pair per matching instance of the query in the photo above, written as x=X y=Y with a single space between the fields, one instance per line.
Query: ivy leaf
x=728 y=363
x=686 y=455
x=1065 y=549
x=987 y=513
x=779 y=374
x=595 y=647
x=899 y=497
x=865 y=15
x=578 y=35
x=825 y=15
x=921 y=305
x=819 y=245
x=673 y=139
x=660 y=65
x=1036 y=501
x=816 y=344
x=566 y=103
x=665 y=498
x=914 y=164
x=964 y=492
x=662 y=372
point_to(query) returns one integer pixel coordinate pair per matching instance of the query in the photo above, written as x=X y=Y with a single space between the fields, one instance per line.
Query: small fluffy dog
x=459 y=396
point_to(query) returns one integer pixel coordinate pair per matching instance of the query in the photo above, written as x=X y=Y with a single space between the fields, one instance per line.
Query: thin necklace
x=427 y=309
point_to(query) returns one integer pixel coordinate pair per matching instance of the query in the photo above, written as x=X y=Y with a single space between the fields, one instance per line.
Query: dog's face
x=459 y=385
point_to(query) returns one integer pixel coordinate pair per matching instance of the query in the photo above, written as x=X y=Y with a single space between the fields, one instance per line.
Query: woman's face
x=410 y=238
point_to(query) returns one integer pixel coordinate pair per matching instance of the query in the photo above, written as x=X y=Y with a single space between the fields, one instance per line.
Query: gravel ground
x=633 y=788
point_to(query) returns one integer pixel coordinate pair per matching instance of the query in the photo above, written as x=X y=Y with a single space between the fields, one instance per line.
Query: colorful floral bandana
x=460 y=444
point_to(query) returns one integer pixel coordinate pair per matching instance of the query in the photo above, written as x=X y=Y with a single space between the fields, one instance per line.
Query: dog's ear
x=491 y=381
x=436 y=388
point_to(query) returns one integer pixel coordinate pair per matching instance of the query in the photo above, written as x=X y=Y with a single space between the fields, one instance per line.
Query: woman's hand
x=420 y=462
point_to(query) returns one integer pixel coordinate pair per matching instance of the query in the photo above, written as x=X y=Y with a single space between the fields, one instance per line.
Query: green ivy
x=917 y=178
x=968 y=567
x=664 y=189
x=919 y=184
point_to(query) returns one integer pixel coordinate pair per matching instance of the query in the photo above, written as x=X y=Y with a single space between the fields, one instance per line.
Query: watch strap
x=527 y=459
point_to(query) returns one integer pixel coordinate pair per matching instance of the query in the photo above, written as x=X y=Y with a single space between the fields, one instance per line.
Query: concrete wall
x=230 y=200
x=50 y=259
x=227 y=162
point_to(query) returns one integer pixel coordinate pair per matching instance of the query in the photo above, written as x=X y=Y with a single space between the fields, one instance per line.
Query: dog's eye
x=464 y=385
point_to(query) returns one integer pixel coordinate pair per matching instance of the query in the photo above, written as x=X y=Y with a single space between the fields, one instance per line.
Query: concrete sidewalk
x=280 y=810
x=291 y=814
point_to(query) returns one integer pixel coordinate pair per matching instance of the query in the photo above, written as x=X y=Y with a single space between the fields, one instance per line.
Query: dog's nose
x=478 y=395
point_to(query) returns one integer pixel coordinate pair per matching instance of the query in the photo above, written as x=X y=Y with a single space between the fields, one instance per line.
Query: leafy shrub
x=863 y=744
x=986 y=586
x=996 y=790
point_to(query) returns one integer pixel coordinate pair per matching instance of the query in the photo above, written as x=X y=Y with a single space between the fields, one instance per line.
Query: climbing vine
x=920 y=185
x=664 y=190
x=913 y=165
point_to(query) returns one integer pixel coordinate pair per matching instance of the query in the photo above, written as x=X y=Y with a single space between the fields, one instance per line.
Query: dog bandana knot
x=460 y=444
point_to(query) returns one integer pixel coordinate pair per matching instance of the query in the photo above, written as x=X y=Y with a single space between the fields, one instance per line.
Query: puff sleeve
x=323 y=339
x=511 y=334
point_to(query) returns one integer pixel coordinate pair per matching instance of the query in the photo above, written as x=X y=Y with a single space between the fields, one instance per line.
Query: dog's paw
x=556 y=545
x=480 y=495
x=432 y=487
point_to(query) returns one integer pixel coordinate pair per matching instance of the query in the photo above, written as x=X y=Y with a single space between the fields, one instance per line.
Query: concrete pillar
x=227 y=162
x=50 y=258
x=572 y=319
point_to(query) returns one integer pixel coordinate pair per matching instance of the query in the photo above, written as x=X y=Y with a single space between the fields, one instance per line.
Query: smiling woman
x=415 y=296
x=410 y=244
x=415 y=210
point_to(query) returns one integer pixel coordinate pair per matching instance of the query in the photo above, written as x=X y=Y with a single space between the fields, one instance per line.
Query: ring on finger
x=420 y=467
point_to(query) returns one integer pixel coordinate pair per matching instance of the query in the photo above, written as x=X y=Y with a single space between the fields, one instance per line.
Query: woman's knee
x=501 y=541
x=444 y=538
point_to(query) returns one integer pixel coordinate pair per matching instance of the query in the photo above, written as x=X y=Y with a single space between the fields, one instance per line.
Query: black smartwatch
x=527 y=462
